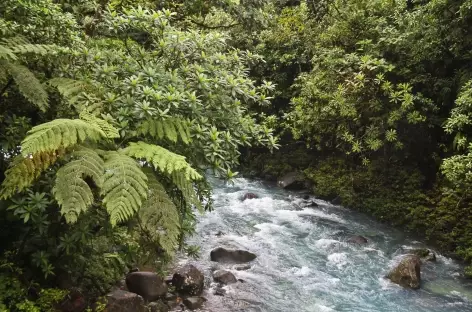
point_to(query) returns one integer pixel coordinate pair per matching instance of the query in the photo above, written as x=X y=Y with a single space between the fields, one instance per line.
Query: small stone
x=250 y=196
x=224 y=277
x=158 y=306
x=425 y=254
x=219 y=233
x=219 y=291
x=241 y=280
x=357 y=240
x=194 y=303
x=242 y=267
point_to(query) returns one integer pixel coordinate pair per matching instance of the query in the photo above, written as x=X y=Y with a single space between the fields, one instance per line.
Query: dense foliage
x=112 y=112
x=110 y=117
x=379 y=94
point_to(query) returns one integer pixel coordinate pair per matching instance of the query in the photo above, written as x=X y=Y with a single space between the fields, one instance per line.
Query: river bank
x=304 y=262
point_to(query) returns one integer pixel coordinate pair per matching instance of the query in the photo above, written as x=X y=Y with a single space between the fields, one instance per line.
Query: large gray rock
x=358 y=239
x=194 y=303
x=188 y=280
x=148 y=285
x=231 y=256
x=124 y=301
x=407 y=273
x=224 y=277
x=293 y=181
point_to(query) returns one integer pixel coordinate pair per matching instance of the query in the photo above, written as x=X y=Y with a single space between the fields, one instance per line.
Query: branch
x=214 y=27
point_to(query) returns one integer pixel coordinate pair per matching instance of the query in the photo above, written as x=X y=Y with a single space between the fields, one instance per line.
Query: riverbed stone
x=357 y=239
x=148 y=285
x=224 y=277
x=292 y=181
x=231 y=256
x=242 y=267
x=250 y=196
x=125 y=301
x=425 y=254
x=194 y=303
x=158 y=306
x=188 y=280
x=407 y=273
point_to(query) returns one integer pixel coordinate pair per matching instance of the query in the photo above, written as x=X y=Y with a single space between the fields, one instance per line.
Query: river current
x=304 y=263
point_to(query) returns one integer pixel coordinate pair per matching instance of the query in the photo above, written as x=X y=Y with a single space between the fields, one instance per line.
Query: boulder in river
x=293 y=181
x=224 y=277
x=407 y=273
x=425 y=254
x=188 y=280
x=148 y=285
x=194 y=303
x=357 y=239
x=125 y=301
x=231 y=256
x=250 y=196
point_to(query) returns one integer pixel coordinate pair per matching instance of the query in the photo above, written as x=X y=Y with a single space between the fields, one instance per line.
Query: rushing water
x=304 y=262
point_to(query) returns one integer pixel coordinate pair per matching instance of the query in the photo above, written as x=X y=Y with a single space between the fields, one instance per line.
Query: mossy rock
x=407 y=273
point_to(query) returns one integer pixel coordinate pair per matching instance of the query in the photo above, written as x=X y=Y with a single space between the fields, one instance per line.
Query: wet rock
x=357 y=239
x=250 y=196
x=194 y=303
x=219 y=291
x=231 y=256
x=148 y=285
x=219 y=233
x=407 y=273
x=224 y=277
x=188 y=280
x=337 y=201
x=125 y=301
x=242 y=267
x=306 y=197
x=292 y=181
x=425 y=254
x=241 y=280
x=158 y=306
x=312 y=204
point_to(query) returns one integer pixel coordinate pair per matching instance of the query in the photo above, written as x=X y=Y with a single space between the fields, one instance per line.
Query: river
x=304 y=263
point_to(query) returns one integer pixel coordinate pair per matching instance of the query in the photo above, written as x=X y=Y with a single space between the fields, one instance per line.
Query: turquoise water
x=304 y=263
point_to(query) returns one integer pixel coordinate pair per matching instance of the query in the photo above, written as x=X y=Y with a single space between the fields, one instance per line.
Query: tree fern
x=159 y=217
x=170 y=128
x=28 y=85
x=162 y=159
x=110 y=131
x=59 y=133
x=124 y=187
x=24 y=170
x=71 y=190
x=69 y=88
x=187 y=189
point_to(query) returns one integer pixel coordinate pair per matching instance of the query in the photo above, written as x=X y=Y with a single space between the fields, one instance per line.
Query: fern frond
x=69 y=88
x=162 y=159
x=173 y=128
x=187 y=189
x=59 y=134
x=159 y=216
x=7 y=54
x=28 y=85
x=71 y=190
x=41 y=49
x=124 y=187
x=110 y=131
x=24 y=170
